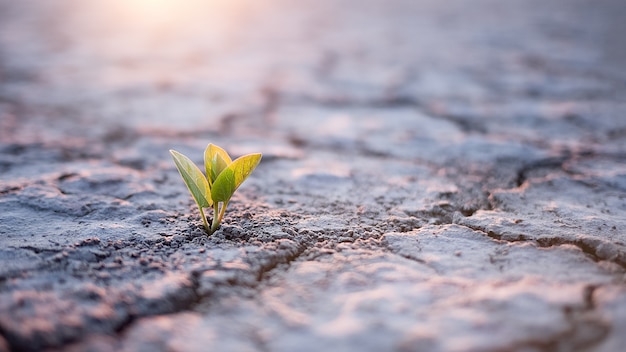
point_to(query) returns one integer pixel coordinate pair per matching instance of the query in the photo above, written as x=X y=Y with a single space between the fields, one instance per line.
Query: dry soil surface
x=437 y=175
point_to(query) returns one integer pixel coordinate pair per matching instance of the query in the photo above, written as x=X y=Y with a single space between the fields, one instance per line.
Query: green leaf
x=194 y=179
x=233 y=176
x=224 y=186
x=216 y=160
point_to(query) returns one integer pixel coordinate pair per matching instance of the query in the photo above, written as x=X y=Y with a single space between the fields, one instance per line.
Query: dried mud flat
x=437 y=176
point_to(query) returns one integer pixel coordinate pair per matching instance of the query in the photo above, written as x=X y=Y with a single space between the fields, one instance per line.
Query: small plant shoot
x=223 y=177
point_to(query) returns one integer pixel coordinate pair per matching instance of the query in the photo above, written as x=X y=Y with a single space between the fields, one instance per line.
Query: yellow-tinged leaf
x=244 y=166
x=233 y=176
x=216 y=160
x=194 y=179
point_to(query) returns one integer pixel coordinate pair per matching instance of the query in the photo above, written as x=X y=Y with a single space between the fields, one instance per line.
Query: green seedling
x=223 y=177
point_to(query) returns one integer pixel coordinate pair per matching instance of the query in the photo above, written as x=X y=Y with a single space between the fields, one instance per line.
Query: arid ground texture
x=436 y=175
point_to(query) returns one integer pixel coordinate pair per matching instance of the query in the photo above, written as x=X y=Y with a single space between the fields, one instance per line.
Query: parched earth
x=437 y=175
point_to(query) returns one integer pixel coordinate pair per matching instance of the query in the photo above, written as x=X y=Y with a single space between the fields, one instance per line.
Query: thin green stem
x=215 y=222
x=223 y=210
x=218 y=214
x=206 y=224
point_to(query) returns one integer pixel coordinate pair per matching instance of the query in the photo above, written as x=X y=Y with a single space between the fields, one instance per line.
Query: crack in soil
x=265 y=270
x=548 y=163
x=586 y=328
x=38 y=250
x=589 y=246
x=185 y=304
x=561 y=162
x=198 y=297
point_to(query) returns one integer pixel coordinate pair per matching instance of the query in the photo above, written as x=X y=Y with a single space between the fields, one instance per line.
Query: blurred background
x=237 y=66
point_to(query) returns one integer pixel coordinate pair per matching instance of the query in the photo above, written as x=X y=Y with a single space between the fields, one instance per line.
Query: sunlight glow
x=166 y=16
x=157 y=12
x=153 y=32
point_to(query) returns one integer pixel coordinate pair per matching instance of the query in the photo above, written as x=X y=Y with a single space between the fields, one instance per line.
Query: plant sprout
x=223 y=177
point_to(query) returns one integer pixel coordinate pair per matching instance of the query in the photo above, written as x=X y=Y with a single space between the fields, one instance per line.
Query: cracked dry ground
x=437 y=176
